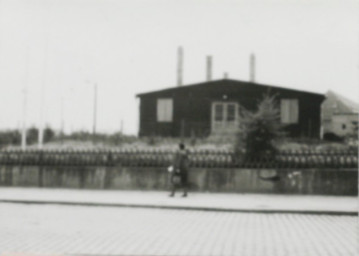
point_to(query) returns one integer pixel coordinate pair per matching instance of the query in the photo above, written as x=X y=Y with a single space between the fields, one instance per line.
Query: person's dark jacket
x=180 y=164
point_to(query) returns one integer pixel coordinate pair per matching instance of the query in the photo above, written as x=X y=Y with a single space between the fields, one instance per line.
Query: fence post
x=109 y=159
x=40 y=175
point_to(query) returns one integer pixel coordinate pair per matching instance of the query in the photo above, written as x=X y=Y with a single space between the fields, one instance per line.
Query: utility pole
x=23 y=131
x=94 y=112
x=62 y=122
x=24 y=105
x=41 y=126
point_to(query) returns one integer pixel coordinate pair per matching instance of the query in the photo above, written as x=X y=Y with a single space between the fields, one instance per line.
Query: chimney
x=179 y=66
x=225 y=75
x=209 y=68
x=252 y=68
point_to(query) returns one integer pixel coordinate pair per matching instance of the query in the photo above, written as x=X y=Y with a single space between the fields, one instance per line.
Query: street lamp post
x=94 y=113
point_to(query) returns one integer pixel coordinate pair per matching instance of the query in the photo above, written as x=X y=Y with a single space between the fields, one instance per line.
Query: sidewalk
x=261 y=203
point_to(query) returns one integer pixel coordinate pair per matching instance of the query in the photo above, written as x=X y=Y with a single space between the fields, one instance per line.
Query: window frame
x=217 y=125
x=292 y=119
x=164 y=110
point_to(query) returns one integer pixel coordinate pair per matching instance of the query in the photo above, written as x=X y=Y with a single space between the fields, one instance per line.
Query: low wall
x=281 y=181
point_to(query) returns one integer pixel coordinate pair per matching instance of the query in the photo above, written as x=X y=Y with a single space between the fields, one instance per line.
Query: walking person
x=179 y=175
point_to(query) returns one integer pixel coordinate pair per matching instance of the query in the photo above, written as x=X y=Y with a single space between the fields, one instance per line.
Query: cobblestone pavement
x=45 y=229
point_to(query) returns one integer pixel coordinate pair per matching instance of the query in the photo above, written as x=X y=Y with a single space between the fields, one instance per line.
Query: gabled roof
x=226 y=81
x=348 y=105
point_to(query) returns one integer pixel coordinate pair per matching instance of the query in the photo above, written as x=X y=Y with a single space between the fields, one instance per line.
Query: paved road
x=129 y=231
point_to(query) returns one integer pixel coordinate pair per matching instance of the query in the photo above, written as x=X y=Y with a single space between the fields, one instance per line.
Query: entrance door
x=224 y=117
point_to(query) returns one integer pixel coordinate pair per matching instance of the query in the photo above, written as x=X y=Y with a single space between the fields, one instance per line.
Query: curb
x=186 y=208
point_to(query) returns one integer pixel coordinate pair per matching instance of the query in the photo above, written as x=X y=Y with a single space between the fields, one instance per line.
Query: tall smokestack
x=252 y=68
x=209 y=68
x=179 y=66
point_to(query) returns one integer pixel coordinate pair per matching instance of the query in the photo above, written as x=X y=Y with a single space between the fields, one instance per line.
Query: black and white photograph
x=179 y=127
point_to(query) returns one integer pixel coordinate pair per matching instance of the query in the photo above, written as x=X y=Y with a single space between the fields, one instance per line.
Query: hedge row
x=199 y=158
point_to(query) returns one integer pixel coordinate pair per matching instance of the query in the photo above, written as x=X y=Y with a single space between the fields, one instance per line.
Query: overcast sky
x=129 y=47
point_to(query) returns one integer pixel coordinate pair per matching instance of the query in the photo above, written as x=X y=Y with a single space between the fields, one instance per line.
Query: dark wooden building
x=213 y=107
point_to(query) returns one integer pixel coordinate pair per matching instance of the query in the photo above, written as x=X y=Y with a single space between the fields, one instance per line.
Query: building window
x=231 y=112
x=289 y=111
x=225 y=117
x=218 y=112
x=344 y=126
x=164 y=110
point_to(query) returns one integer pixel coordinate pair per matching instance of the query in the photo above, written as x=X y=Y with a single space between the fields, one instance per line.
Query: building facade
x=214 y=107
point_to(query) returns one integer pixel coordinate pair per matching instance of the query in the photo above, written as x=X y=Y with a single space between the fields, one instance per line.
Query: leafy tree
x=353 y=137
x=259 y=129
x=49 y=134
x=355 y=129
x=10 y=137
x=31 y=135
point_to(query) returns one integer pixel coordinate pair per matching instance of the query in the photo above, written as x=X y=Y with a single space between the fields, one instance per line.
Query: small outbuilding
x=339 y=115
x=214 y=107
